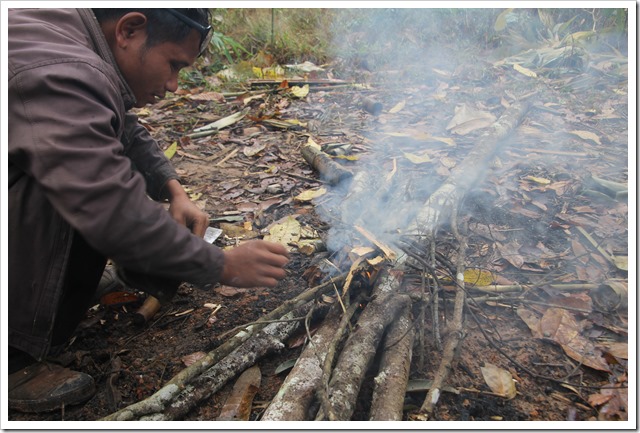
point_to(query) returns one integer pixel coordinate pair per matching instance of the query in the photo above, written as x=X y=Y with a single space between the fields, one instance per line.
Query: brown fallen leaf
x=499 y=380
x=238 y=405
x=532 y=321
x=561 y=326
x=617 y=349
x=511 y=253
x=613 y=402
x=580 y=251
x=581 y=301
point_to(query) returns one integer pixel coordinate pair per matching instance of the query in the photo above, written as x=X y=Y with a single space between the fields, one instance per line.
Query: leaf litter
x=570 y=288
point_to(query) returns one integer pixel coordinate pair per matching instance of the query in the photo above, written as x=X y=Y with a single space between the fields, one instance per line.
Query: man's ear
x=129 y=28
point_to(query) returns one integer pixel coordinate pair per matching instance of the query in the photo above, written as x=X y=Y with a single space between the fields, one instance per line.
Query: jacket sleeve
x=147 y=157
x=64 y=131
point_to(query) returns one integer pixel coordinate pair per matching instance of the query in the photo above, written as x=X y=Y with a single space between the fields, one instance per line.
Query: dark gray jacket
x=78 y=163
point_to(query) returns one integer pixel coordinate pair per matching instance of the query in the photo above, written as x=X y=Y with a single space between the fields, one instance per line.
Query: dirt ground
x=522 y=224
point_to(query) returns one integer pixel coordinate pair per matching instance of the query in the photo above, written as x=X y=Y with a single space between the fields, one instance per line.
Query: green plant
x=226 y=45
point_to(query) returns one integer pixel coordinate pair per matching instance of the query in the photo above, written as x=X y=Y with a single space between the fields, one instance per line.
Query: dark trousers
x=83 y=274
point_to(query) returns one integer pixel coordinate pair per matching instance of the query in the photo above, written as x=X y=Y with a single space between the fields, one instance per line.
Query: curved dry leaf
x=399 y=106
x=617 y=349
x=467 y=119
x=501 y=21
x=250 y=151
x=586 y=135
x=238 y=405
x=532 y=321
x=208 y=96
x=300 y=92
x=311 y=194
x=561 y=326
x=499 y=380
x=417 y=158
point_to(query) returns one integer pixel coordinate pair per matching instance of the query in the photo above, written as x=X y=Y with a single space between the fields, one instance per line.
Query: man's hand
x=255 y=263
x=184 y=211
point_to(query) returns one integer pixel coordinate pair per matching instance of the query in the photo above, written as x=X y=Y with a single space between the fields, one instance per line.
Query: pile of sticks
x=327 y=378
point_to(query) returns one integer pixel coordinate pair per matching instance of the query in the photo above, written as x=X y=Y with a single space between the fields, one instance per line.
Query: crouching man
x=81 y=171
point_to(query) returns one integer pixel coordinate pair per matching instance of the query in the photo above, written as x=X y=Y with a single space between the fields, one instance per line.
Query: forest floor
x=548 y=225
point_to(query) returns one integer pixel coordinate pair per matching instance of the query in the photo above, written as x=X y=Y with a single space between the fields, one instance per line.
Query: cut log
x=469 y=173
x=161 y=398
x=269 y=340
x=296 y=397
x=361 y=347
x=329 y=170
x=395 y=365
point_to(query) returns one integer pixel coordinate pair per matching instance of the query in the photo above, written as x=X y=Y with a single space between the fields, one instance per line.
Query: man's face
x=153 y=71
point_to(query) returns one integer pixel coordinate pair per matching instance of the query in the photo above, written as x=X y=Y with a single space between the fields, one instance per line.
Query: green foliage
x=226 y=45
x=564 y=27
x=375 y=36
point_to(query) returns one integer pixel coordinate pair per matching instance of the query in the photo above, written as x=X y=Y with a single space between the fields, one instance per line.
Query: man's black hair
x=161 y=25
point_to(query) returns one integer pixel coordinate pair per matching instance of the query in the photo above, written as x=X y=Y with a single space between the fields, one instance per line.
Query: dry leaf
x=532 y=321
x=300 y=92
x=586 y=135
x=286 y=232
x=511 y=253
x=617 y=349
x=467 y=119
x=614 y=404
x=561 y=326
x=208 y=96
x=501 y=21
x=448 y=141
x=499 y=380
x=238 y=405
x=228 y=291
x=399 y=106
x=311 y=194
x=540 y=180
x=253 y=150
x=417 y=158
x=478 y=277
x=525 y=71
x=171 y=150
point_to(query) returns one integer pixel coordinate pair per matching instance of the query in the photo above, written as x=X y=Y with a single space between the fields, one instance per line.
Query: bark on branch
x=164 y=396
x=470 y=172
x=393 y=376
x=329 y=170
x=360 y=349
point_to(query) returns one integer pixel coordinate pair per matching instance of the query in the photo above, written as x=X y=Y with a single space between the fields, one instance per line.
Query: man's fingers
x=276 y=248
x=200 y=227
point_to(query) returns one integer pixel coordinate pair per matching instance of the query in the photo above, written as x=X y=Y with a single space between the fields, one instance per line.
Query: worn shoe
x=44 y=387
x=109 y=282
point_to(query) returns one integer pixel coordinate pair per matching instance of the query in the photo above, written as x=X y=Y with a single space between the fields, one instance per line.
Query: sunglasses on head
x=205 y=32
